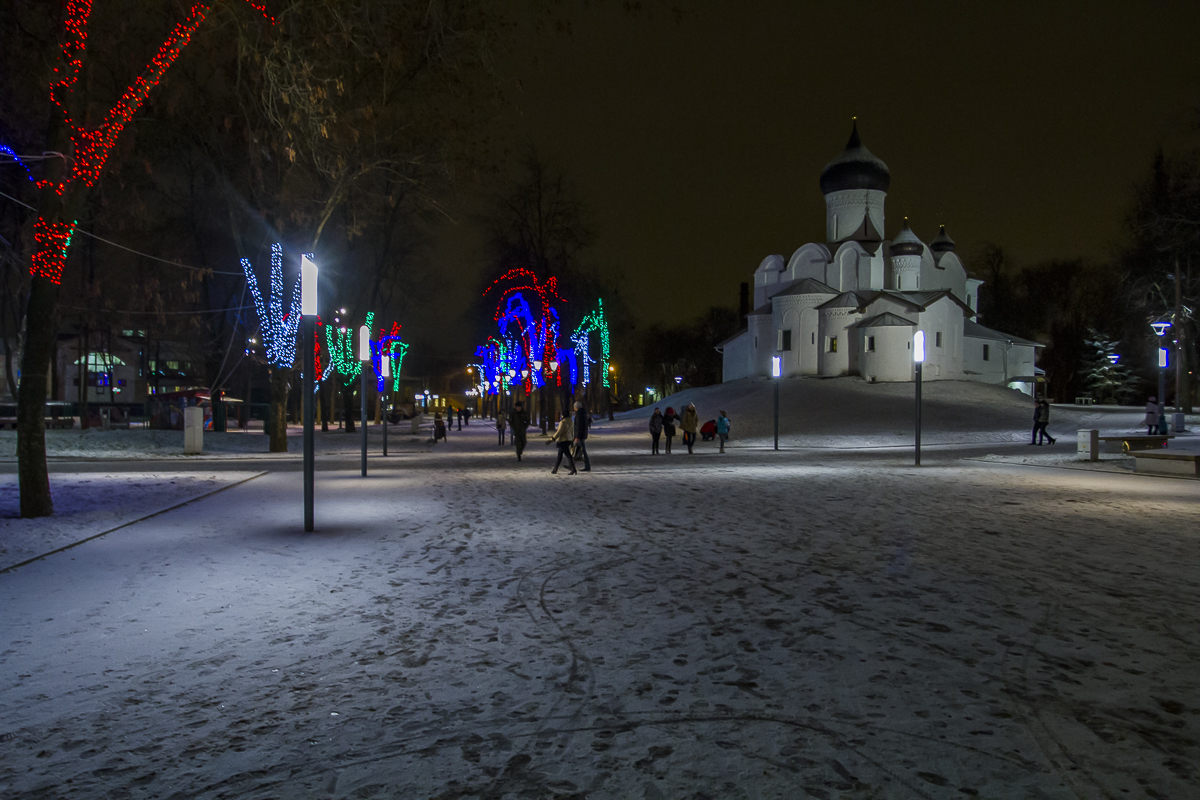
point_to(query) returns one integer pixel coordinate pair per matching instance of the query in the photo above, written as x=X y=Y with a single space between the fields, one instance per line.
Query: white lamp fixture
x=524 y=373
x=1113 y=358
x=554 y=366
x=385 y=365
x=919 y=347
x=537 y=365
x=512 y=373
x=776 y=367
x=1160 y=327
x=1162 y=357
x=308 y=286
x=364 y=343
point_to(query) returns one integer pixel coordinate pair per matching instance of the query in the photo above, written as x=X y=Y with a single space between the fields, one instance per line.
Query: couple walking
x=572 y=435
x=1041 y=418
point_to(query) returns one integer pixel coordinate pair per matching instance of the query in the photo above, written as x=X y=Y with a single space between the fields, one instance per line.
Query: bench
x=1131 y=444
x=1167 y=463
x=1083 y=401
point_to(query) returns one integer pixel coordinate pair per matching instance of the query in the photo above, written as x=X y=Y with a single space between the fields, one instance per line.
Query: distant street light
x=385 y=368
x=776 y=371
x=364 y=355
x=308 y=318
x=919 y=361
x=1160 y=330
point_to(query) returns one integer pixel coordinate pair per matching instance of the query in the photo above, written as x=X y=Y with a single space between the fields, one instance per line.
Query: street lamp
x=1160 y=330
x=364 y=355
x=308 y=318
x=776 y=371
x=385 y=369
x=919 y=362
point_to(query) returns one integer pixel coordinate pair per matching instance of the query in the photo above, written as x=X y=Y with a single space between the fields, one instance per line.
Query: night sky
x=698 y=143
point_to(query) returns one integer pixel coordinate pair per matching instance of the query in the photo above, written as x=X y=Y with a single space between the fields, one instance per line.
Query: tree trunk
x=281 y=378
x=33 y=476
x=348 y=407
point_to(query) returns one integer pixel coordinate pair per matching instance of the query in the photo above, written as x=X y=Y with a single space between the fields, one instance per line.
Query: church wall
x=972 y=298
x=952 y=275
x=845 y=211
x=766 y=277
x=808 y=262
x=737 y=358
x=762 y=337
x=944 y=362
x=810 y=346
x=891 y=360
x=832 y=323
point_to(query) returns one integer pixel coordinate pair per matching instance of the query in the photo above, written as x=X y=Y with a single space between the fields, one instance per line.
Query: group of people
x=665 y=424
x=570 y=436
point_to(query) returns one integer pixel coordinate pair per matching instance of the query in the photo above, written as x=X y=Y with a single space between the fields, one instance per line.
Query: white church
x=852 y=306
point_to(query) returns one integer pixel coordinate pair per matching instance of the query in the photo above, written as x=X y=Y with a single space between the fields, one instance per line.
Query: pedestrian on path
x=467 y=417
x=1153 y=412
x=501 y=421
x=520 y=427
x=722 y=429
x=582 y=419
x=669 y=420
x=564 y=437
x=460 y=415
x=656 y=429
x=439 y=428
x=690 y=424
x=1041 y=418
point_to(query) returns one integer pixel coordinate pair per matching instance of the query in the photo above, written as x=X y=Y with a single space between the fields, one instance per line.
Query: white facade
x=851 y=306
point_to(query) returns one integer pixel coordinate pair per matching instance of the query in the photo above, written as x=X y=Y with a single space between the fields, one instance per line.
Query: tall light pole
x=918 y=362
x=776 y=370
x=385 y=369
x=308 y=328
x=1160 y=329
x=364 y=355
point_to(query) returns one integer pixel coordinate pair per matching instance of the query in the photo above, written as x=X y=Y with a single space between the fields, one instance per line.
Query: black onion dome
x=855 y=168
x=906 y=242
x=942 y=242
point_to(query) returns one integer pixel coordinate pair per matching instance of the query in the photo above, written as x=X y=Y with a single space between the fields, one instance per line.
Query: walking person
x=690 y=424
x=669 y=420
x=439 y=428
x=1042 y=417
x=582 y=418
x=1152 y=413
x=722 y=429
x=501 y=421
x=656 y=429
x=564 y=437
x=460 y=417
x=519 y=421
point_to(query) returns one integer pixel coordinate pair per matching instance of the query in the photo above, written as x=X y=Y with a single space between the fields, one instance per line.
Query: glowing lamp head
x=385 y=365
x=512 y=373
x=678 y=379
x=1160 y=327
x=554 y=366
x=364 y=343
x=1113 y=358
x=524 y=373
x=919 y=347
x=537 y=365
x=308 y=286
x=1162 y=357
x=776 y=366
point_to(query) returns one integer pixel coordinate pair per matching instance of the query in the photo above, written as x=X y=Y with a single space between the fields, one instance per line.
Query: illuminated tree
x=278 y=332
x=61 y=193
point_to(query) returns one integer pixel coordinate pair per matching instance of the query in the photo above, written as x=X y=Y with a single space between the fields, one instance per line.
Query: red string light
x=52 y=239
x=91 y=147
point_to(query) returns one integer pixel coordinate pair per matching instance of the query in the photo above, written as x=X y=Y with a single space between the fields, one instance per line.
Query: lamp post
x=1160 y=330
x=308 y=318
x=385 y=369
x=364 y=355
x=776 y=370
x=918 y=362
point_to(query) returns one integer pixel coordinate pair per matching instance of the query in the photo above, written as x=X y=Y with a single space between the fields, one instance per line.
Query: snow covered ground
x=88 y=504
x=816 y=622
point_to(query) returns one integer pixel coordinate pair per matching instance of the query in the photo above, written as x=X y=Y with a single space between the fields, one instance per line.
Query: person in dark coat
x=501 y=421
x=669 y=420
x=519 y=421
x=656 y=429
x=564 y=437
x=582 y=418
x=439 y=427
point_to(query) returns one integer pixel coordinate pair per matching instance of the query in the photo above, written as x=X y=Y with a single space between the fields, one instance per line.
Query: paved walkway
x=760 y=625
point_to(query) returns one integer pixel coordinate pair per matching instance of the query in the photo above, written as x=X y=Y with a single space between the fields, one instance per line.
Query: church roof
x=942 y=242
x=855 y=168
x=885 y=320
x=805 y=286
x=919 y=301
x=866 y=235
x=762 y=311
x=906 y=242
x=846 y=300
x=737 y=335
x=977 y=331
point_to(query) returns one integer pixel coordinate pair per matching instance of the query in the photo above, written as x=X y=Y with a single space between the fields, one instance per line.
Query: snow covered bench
x=1130 y=444
x=1167 y=463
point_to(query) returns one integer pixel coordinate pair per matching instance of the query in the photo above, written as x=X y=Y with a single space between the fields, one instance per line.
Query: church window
x=870 y=344
x=830 y=344
x=814 y=339
x=785 y=340
x=986 y=352
x=835 y=231
x=937 y=339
